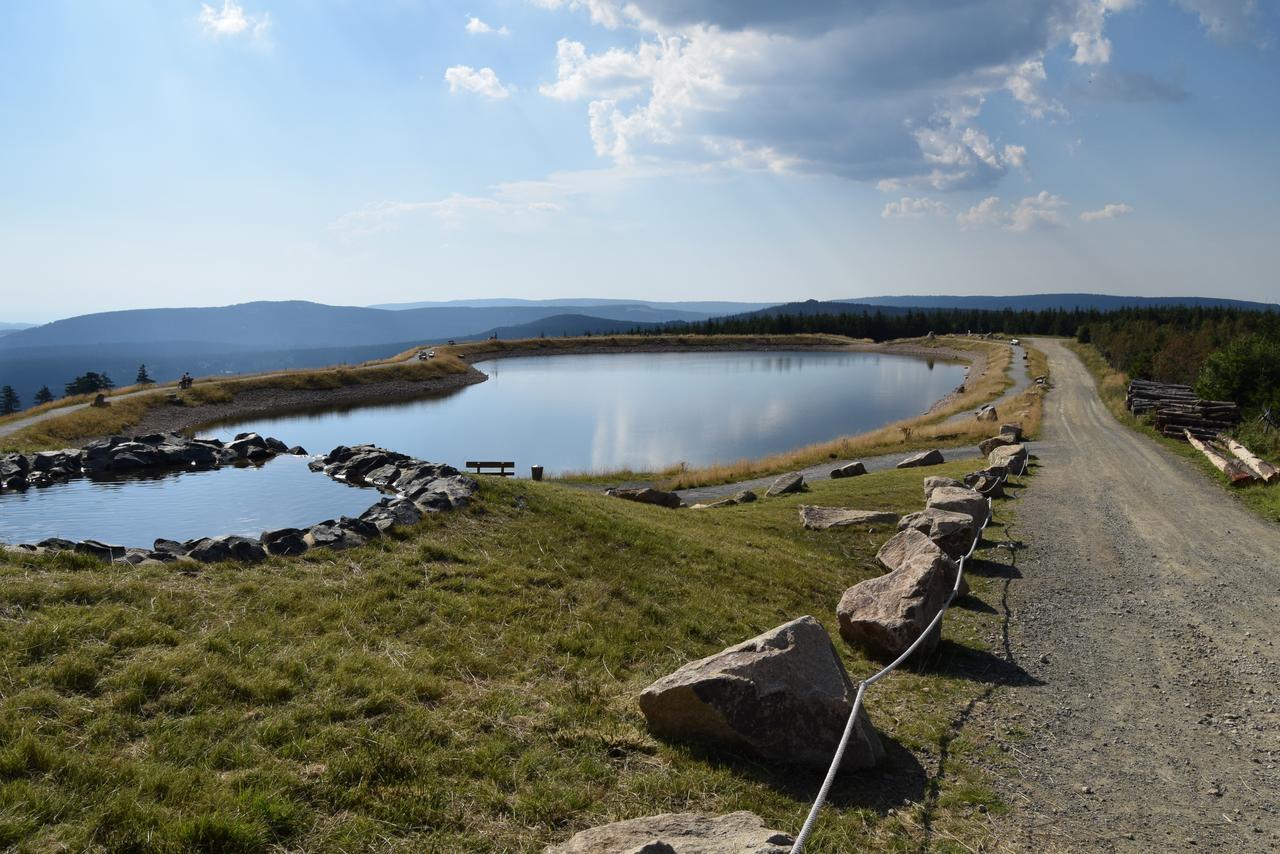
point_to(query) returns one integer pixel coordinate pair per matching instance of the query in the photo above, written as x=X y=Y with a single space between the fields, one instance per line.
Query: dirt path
x=1146 y=616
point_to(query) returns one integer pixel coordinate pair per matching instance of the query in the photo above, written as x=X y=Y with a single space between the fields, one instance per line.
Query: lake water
x=642 y=411
x=283 y=493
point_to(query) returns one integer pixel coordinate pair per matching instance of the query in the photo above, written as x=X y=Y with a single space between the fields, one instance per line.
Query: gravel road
x=1146 y=618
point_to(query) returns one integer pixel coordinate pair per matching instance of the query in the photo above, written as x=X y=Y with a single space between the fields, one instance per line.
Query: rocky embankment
x=413 y=488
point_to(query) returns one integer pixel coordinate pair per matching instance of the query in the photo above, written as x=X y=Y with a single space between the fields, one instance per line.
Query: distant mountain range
x=260 y=336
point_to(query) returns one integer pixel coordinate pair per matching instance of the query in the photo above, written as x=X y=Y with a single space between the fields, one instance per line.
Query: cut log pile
x=1237 y=472
x=1178 y=412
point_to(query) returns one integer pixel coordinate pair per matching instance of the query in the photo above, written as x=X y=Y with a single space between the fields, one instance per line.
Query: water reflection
x=643 y=411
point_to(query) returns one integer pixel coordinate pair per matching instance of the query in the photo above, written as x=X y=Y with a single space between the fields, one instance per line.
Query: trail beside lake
x=1145 y=613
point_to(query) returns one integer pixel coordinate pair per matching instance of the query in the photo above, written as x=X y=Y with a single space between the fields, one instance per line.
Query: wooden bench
x=502 y=468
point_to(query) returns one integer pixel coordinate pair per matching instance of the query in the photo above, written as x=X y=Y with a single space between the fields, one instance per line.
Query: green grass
x=1262 y=499
x=469 y=684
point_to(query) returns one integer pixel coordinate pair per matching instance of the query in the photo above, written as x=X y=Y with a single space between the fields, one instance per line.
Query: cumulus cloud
x=914 y=207
x=464 y=78
x=232 y=20
x=877 y=91
x=477 y=27
x=1110 y=211
x=1043 y=210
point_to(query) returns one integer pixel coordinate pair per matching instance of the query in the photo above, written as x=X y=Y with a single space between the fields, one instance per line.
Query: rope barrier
x=829 y=780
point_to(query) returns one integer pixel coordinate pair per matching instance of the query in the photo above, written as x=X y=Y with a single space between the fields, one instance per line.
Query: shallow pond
x=135 y=511
x=642 y=411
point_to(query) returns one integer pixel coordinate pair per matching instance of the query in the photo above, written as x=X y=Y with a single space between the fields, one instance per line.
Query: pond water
x=136 y=511
x=642 y=411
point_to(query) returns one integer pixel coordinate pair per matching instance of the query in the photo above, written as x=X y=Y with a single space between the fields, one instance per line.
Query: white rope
x=836 y=760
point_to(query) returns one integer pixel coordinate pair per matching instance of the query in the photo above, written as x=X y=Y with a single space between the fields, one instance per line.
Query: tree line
x=90 y=382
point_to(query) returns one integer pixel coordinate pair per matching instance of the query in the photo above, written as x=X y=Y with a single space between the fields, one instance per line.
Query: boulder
x=849 y=470
x=390 y=512
x=226 y=547
x=1010 y=457
x=1014 y=430
x=987 y=482
x=645 y=495
x=821 y=518
x=57 y=544
x=911 y=542
x=787 y=483
x=382 y=477
x=924 y=458
x=297 y=451
x=276 y=445
x=987 y=413
x=331 y=535
x=444 y=493
x=883 y=616
x=100 y=550
x=169 y=547
x=935 y=481
x=784 y=695
x=284 y=541
x=960 y=499
x=986 y=446
x=746 y=496
x=951 y=532
x=679 y=833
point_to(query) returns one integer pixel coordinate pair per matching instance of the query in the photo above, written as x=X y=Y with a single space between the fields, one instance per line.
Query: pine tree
x=143 y=377
x=89 y=382
x=9 y=402
x=43 y=395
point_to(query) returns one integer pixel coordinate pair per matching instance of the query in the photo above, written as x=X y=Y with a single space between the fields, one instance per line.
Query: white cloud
x=914 y=207
x=232 y=20
x=1042 y=210
x=1110 y=211
x=477 y=27
x=1091 y=48
x=464 y=78
x=1226 y=20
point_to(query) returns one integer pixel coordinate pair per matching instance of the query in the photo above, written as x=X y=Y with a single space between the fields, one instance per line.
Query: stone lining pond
x=643 y=411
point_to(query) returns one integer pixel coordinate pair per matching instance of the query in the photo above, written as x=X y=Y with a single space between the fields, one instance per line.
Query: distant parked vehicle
x=1014 y=341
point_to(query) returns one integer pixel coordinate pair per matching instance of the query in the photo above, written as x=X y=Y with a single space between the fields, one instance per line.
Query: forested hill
x=1071 y=302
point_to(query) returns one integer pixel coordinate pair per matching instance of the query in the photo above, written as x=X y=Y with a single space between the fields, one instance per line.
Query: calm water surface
x=283 y=493
x=643 y=411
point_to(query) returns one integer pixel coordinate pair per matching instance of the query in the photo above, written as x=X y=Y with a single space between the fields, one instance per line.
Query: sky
x=371 y=151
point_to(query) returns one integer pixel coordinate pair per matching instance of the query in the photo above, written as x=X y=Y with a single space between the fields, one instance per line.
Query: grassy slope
x=1112 y=387
x=467 y=685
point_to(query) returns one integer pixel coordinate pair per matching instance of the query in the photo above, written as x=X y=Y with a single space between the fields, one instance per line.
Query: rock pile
x=413 y=488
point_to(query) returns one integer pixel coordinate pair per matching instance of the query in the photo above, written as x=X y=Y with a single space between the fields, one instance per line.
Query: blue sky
x=177 y=153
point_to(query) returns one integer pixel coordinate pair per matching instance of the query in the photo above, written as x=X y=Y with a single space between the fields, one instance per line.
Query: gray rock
x=952 y=532
x=987 y=413
x=746 y=496
x=679 y=833
x=284 y=541
x=849 y=470
x=910 y=543
x=100 y=550
x=924 y=458
x=390 y=512
x=821 y=518
x=1014 y=430
x=297 y=451
x=986 y=446
x=646 y=495
x=445 y=493
x=933 y=482
x=784 y=694
x=883 y=616
x=226 y=547
x=985 y=481
x=57 y=544
x=330 y=535
x=786 y=484
x=960 y=499
x=1010 y=457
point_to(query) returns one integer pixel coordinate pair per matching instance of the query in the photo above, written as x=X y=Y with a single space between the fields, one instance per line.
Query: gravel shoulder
x=1145 y=615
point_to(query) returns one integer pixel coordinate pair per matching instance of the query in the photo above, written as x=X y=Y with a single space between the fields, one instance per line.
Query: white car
x=1014 y=341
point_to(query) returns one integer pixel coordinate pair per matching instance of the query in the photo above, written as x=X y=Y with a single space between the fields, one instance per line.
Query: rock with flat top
x=986 y=481
x=952 y=532
x=935 y=481
x=1003 y=440
x=924 y=458
x=783 y=694
x=746 y=496
x=960 y=499
x=883 y=616
x=821 y=518
x=1010 y=457
x=679 y=833
x=1014 y=430
x=849 y=470
x=786 y=484
x=646 y=495
x=911 y=542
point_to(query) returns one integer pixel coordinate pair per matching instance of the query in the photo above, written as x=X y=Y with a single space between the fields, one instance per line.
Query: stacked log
x=1262 y=469
x=1178 y=411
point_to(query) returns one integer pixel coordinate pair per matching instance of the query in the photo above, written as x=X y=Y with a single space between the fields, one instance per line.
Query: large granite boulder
x=786 y=484
x=646 y=495
x=226 y=547
x=331 y=534
x=1010 y=457
x=924 y=458
x=784 y=694
x=444 y=493
x=960 y=499
x=821 y=518
x=100 y=550
x=986 y=446
x=986 y=481
x=390 y=512
x=911 y=543
x=849 y=470
x=883 y=616
x=285 y=541
x=935 y=481
x=1014 y=430
x=987 y=413
x=952 y=532
x=679 y=833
